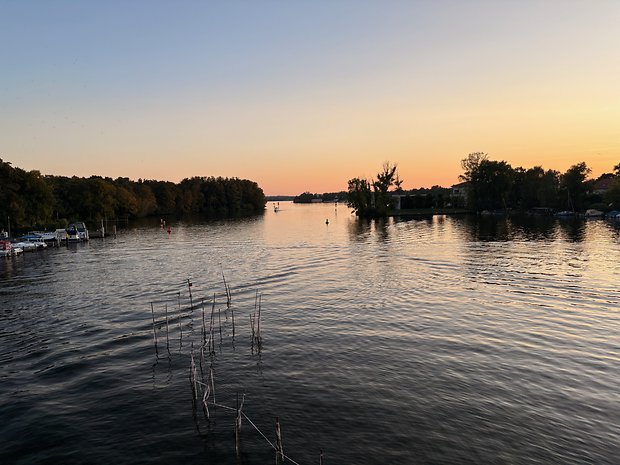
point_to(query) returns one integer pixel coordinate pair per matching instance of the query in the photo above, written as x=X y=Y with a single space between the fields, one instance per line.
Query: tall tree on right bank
x=489 y=182
x=573 y=184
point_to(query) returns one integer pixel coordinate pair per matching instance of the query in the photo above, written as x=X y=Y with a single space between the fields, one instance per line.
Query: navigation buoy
x=327 y=221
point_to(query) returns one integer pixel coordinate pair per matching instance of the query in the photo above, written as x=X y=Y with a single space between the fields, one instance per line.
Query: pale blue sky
x=303 y=95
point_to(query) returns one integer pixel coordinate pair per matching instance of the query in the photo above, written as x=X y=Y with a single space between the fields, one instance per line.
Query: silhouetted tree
x=359 y=196
x=32 y=200
x=378 y=201
x=573 y=182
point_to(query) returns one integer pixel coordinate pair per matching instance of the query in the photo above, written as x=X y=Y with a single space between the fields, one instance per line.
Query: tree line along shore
x=490 y=186
x=30 y=200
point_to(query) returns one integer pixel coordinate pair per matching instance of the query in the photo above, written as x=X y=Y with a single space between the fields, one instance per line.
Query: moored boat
x=72 y=233
x=592 y=213
x=77 y=232
x=26 y=246
x=6 y=248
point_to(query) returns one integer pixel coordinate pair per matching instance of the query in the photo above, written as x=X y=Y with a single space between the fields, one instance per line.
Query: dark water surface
x=421 y=341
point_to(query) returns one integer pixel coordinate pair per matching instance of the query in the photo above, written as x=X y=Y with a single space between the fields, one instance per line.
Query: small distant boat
x=565 y=213
x=592 y=213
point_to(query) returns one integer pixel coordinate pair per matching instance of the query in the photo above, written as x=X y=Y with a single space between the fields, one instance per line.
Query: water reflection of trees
x=473 y=228
x=361 y=229
x=428 y=219
x=522 y=227
x=382 y=226
x=572 y=229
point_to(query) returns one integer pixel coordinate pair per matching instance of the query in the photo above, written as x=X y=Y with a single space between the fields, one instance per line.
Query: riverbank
x=429 y=212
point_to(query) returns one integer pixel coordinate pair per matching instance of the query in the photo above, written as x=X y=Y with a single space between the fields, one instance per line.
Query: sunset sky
x=303 y=95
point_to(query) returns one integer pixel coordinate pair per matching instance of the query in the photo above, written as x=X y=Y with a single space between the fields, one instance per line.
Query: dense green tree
x=375 y=202
x=31 y=200
x=38 y=199
x=535 y=188
x=146 y=202
x=471 y=166
x=573 y=183
x=385 y=180
x=490 y=183
x=359 y=196
x=305 y=197
x=612 y=196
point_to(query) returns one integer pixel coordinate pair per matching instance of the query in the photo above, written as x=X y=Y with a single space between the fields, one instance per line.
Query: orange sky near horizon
x=304 y=96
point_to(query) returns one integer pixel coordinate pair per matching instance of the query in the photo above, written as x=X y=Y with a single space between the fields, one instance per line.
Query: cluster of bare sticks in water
x=202 y=374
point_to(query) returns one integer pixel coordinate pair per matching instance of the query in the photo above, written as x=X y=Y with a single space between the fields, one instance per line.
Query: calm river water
x=422 y=341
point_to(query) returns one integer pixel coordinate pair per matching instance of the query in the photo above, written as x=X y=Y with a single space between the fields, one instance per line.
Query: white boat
x=82 y=231
x=25 y=246
x=591 y=213
x=77 y=232
x=47 y=236
x=72 y=234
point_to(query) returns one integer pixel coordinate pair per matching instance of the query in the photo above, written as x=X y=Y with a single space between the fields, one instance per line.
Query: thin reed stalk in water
x=253 y=319
x=260 y=298
x=180 y=320
x=205 y=398
x=219 y=317
x=204 y=328
x=212 y=326
x=321 y=457
x=189 y=288
x=227 y=289
x=193 y=374
x=167 y=330
x=252 y=339
x=279 y=448
x=154 y=331
x=232 y=312
x=238 y=424
x=212 y=382
x=237 y=428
